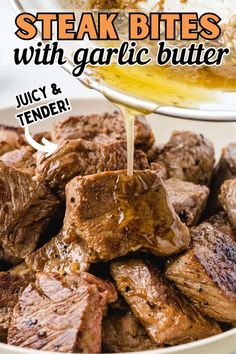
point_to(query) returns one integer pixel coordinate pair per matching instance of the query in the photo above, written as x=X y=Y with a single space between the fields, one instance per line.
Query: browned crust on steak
x=214 y=249
x=225 y=169
x=165 y=314
x=221 y=223
x=79 y=158
x=207 y=273
x=227 y=165
x=188 y=156
x=227 y=198
x=188 y=199
x=103 y=128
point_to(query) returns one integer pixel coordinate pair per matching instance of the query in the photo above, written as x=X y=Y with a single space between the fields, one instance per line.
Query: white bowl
x=220 y=133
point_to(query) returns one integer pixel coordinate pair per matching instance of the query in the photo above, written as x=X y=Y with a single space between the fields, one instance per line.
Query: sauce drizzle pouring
x=129 y=124
x=186 y=87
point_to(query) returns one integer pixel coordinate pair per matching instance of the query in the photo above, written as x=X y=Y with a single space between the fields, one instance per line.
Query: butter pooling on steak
x=59 y=256
x=116 y=214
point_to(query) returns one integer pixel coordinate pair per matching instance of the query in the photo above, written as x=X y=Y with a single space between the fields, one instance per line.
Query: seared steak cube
x=188 y=156
x=61 y=313
x=22 y=159
x=103 y=128
x=165 y=314
x=79 y=158
x=59 y=256
x=10 y=138
x=207 y=273
x=116 y=214
x=26 y=207
x=122 y=333
x=227 y=163
x=12 y=283
x=225 y=169
x=228 y=200
x=188 y=199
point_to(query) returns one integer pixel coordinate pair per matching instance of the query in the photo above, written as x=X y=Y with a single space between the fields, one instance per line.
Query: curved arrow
x=47 y=146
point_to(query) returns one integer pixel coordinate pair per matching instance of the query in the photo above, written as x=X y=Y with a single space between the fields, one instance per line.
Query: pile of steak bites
x=93 y=260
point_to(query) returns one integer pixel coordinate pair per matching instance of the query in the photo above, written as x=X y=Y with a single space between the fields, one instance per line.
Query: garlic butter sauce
x=181 y=86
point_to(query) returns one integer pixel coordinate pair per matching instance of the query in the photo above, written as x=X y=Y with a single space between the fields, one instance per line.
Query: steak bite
x=165 y=314
x=22 y=159
x=228 y=200
x=116 y=214
x=10 y=138
x=25 y=210
x=79 y=158
x=206 y=274
x=227 y=164
x=61 y=313
x=103 y=128
x=122 y=333
x=188 y=156
x=12 y=283
x=59 y=256
x=225 y=169
x=188 y=199
x=154 y=151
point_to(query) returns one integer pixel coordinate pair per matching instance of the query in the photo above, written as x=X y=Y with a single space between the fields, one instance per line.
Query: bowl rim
x=175 y=349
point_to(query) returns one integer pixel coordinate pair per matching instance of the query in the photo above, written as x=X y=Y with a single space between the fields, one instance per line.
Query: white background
x=17 y=79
